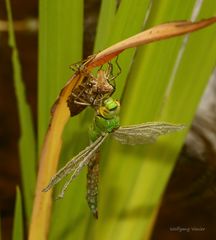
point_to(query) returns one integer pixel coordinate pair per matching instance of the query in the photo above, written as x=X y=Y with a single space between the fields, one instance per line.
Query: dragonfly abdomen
x=92 y=184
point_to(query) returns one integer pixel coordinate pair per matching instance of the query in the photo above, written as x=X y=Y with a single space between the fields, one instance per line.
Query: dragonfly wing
x=75 y=165
x=144 y=133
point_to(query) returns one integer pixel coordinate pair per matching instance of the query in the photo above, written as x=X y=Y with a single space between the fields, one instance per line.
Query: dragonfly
x=67 y=105
x=106 y=123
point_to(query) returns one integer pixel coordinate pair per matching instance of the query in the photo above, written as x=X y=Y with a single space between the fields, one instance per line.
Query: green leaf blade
x=27 y=144
x=60 y=44
x=18 y=218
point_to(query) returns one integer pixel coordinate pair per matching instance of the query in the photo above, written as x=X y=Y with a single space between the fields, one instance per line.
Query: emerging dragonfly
x=106 y=122
x=61 y=113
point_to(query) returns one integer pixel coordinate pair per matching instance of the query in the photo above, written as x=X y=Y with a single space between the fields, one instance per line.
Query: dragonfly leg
x=119 y=68
x=82 y=102
x=98 y=99
x=78 y=98
x=81 y=65
x=75 y=67
x=110 y=75
x=110 y=70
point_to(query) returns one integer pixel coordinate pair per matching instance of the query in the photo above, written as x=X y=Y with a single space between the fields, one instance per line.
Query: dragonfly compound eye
x=111 y=104
x=110 y=108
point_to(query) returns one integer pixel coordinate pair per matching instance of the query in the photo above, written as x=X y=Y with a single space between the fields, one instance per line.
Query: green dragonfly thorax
x=106 y=119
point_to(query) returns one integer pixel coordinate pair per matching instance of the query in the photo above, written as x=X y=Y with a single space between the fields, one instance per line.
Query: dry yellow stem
x=40 y=221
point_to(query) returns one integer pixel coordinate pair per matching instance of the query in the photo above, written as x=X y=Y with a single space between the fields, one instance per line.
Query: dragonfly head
x=109 y=109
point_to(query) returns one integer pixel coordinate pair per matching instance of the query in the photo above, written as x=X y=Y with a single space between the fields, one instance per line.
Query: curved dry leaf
x=163 y=31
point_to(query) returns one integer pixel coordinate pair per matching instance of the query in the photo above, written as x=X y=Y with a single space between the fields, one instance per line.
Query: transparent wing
x=75 y=165
x=144 y=133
